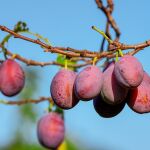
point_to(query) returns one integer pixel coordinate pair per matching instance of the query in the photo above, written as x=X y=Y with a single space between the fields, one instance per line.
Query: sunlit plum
x=106 y=110
x=12 y=78
x=146 y=77
x=139 y=98
x=62 y=89
x=129 y=72
x=51 y=130
x=88 y=83
x=112 y=92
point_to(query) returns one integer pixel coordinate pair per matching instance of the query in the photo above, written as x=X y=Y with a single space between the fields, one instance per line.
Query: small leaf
x=21 y=26
x=61 y=59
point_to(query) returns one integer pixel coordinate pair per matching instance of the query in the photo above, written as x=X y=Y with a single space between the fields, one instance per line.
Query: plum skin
x=61 y=89
x=88 y=83
x=111 y=91
x=129 y=72
x=12 y=78
x=139 y=98
x=107 y=110
x=146 y=77
x=51 y=130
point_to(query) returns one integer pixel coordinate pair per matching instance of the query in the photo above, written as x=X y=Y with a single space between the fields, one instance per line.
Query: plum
x=139 y=98
x=129 y=72
x=106 y=110
x=12 y=78
x=62 y=89
x=51 y=130
x=146 y=77
x=112 y=92
x=88 y=83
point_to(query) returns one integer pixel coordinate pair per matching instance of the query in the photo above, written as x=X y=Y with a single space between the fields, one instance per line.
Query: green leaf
x=21 y=26
x=61 y=59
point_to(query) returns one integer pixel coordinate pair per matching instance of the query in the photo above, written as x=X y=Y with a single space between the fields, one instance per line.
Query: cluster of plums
x=12 y=78
x=120 y=82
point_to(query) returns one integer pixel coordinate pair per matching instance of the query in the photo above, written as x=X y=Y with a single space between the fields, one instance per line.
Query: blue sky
x=68 y=23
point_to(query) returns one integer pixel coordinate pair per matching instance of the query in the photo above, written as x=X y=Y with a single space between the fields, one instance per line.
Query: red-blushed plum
x=12 y=78
x=62 y=89
x=51 y=130
x=106 y=110
x=88 y=83
x=139 y=98
x=129 y=71
x=112 y=92
x=146 y=77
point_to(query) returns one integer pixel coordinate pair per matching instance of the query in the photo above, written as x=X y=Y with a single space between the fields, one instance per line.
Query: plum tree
x=88 y=83
x=12 y=77
x=111 y=91
x=51 y=130
x=129 y=72
x=62 y=89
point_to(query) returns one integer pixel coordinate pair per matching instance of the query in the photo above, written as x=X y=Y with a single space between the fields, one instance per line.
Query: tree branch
x=107 y=12
x=26 y=101
x=70 y=52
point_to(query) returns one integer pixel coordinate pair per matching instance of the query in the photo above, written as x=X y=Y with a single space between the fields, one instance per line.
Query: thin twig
x=31 y=62
x=110 y=19
x=26 y=101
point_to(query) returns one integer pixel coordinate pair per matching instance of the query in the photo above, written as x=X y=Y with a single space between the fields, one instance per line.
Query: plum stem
x=103 y=34
x=66 y=64
x=117 y=54
x=120 y=52
x=94 y=61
